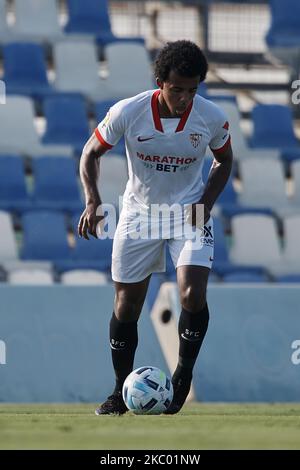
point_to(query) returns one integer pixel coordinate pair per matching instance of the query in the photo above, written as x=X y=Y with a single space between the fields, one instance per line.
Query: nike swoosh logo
x=192 y=340
x=143 y=139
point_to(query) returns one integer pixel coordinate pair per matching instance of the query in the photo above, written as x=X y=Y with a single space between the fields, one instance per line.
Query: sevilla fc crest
x=195 y=139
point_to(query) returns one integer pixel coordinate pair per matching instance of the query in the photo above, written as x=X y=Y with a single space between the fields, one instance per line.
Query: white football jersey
x=165 y=156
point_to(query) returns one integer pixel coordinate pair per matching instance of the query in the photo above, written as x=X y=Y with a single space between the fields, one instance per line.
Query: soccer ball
x=147 y=390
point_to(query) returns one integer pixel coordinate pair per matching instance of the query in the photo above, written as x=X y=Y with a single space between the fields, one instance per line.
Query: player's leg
x=193 y=262
x=129 y=300
x=192 y=327
x=133 y=261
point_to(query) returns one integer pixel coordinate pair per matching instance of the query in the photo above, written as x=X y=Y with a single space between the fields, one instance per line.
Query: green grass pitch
x=197 y=426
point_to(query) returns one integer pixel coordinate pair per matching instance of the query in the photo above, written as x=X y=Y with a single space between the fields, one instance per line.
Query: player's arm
x=89 y=174
x=217 y=179
x=106 y=135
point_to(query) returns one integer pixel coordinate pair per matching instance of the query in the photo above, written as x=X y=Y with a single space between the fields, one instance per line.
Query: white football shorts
x=139 y=251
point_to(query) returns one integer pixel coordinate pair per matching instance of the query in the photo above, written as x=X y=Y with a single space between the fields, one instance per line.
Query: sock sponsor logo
x=191 y=335
x=117 y=345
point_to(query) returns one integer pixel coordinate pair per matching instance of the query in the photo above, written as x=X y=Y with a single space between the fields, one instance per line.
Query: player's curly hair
x=183 y=57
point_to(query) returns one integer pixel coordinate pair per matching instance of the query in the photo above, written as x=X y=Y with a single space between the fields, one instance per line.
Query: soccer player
x=166 y=133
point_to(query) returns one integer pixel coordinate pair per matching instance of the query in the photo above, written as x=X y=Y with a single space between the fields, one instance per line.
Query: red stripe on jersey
x=155 y=112
x=101 y=140
x=221 y=149
x=226 y=125
x=184 y=118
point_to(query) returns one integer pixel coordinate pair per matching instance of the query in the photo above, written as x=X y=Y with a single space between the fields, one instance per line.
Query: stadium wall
x=251 y=352
x=56 y=340
x=54 y=344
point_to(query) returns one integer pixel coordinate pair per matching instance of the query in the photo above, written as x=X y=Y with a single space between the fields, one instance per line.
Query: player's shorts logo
x=208 y=238
x=195 y=139
x=207 y=231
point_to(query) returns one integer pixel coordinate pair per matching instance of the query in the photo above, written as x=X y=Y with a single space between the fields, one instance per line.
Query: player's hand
x=199 y=215
x=89 y=220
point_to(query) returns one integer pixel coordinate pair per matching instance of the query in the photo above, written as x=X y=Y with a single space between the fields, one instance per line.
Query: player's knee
x=193 y=298
x=127 y=309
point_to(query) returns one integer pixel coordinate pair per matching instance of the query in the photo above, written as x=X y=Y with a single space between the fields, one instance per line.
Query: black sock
x=192 y=328
x=123 y=343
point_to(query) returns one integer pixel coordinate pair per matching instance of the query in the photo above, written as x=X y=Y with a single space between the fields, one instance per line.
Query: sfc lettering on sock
x=117 y=345
x=191 y=335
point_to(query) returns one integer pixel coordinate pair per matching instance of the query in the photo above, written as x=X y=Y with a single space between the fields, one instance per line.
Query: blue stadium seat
x=220 y=251
x=101 y=108
x=18 y=133
x=95 y=254
x=137 y=72
x=289 y=278
x=37 y=21
x=77 y=69
x=263 y=185
x=285 y=25
x=67 y=121
x=45 y=236
x=92 y=17
x=56 y=185
x=202 y=90
x=88 y=254
x=227 y=200
x=13 y=192
x=245 y=277
x=283 y=37
x=273 y=128
x=256 y=242
x=8 y=245
x=290 y=154
x=4 y=28
x=25 y=70
x=222 y=264
x=229 y=210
